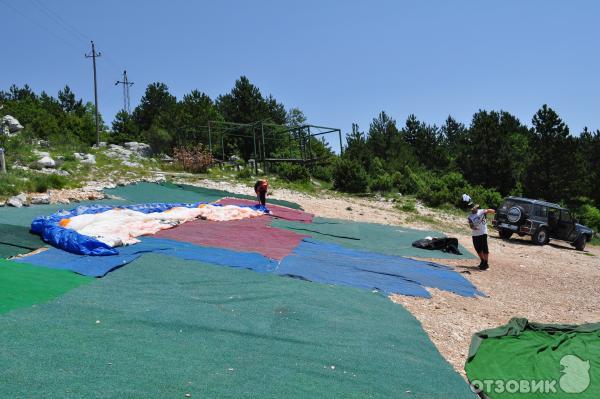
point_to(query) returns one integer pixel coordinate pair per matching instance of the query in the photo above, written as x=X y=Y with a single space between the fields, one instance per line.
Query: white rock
x=41 y=199
x=17 y=201
x=41 y=154
x=89 y=159
x=141 y=149
x=11 y=124
x=49 y=171
x=46 y=162
x=131 y=164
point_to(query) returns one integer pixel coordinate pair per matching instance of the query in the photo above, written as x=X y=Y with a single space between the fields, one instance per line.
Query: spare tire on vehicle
x=516 y=214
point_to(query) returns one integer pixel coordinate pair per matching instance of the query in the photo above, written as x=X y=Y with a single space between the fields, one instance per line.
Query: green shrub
x=486 y=197
x=589 y=216
x=293 y=172
x=324 y=173
x=245 y=173
x=383 y=183
x=408 y=205
x=350 y=176
x=41 y=184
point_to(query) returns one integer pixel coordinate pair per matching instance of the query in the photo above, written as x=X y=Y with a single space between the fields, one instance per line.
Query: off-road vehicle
x=541 y=220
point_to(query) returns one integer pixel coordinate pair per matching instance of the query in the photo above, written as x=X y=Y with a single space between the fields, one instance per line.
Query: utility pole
x=126 y=84
x=93 y=56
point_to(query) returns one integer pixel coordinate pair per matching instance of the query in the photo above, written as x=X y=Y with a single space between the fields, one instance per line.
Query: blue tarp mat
x=334 y=264
x=98 y=266
x=312 y=260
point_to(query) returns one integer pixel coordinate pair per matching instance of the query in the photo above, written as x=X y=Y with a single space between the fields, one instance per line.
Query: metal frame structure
x=262 y=130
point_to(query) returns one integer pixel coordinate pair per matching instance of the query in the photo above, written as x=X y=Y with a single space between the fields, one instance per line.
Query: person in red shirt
x=260 y=188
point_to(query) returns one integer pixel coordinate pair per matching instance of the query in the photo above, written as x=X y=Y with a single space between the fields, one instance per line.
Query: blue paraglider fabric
x=334 y=264
x=49 y=228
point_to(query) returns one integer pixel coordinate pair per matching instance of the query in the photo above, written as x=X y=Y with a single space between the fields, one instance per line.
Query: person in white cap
x=478 y=224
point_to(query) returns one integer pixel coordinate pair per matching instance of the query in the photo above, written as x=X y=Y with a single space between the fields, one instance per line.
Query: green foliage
x=494 y=151
x=557 y=171
x=407 y=205
x=159 y=140
x=589 y=216
x=383 y=183
x=324 y=173
x=245 y=173
x=350 y=176
x=17 y=182
x=293 y=172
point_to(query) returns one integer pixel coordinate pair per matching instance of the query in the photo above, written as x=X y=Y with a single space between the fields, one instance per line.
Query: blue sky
x=340 y=62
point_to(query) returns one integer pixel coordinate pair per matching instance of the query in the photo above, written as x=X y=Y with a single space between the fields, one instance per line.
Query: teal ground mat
x=222 y=193
x=164 y=327
x=527 y=360
x=16 y=240
x=385 y=239
x=169 y=192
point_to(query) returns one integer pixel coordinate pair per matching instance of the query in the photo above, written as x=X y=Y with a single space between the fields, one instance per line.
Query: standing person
x=478 y=224
x=260 y=188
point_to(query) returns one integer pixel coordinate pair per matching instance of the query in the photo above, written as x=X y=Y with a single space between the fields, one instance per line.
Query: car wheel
x=541 y=236
x=505 y=234
x=580 y=243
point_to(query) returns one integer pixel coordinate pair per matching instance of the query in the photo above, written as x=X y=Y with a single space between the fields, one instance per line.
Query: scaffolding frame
x=260 y=130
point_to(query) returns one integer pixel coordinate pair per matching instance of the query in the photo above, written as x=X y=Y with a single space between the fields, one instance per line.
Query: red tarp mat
x=276 y=211
x=247 y=235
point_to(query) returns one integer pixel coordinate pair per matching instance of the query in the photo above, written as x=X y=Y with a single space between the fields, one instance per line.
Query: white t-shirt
x=480 y=222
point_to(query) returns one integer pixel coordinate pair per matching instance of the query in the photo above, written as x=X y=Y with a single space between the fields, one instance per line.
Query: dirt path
x=550 y=284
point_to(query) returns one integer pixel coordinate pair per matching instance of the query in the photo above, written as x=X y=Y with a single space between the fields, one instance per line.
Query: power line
x=93 y=56
x=36 y=23
x=126 y=84
x=60 y=21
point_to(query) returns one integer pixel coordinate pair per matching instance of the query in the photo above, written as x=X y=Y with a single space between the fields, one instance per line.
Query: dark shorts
x=262 y=197
x=480 y=244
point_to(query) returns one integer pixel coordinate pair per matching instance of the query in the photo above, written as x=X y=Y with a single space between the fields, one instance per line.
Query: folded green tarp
x=164 y=327
x=16 y=240
x=534 y=360
x=385 y=239
x=23 y=285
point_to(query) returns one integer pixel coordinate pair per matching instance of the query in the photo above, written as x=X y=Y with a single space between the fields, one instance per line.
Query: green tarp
x=169 y=192
x=563 y=361
x=23 y=285
x=385 y=239
x=15 y=240
x=164 y=327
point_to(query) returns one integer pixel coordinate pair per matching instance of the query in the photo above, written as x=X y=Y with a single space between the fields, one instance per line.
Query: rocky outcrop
x=140 y=149
x=87 y=159
x=10 y=126
x=18 y=201
x=129 y=152
x=46 y=162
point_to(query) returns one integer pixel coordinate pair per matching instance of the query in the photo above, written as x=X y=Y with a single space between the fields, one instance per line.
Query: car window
x=565 y=216
x=540 y=210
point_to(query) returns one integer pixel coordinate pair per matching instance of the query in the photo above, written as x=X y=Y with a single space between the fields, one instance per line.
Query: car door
x=566 y=226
